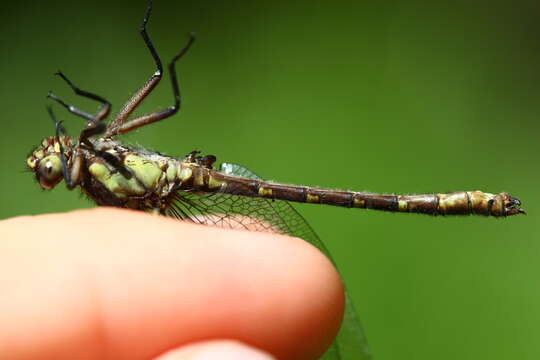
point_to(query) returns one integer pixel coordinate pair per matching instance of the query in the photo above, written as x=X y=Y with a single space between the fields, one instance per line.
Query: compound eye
x=49 y=172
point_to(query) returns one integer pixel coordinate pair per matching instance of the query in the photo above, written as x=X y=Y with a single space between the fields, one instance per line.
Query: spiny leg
x=147 y=88
x=105 y=105
x=72 y=109
x=159 y=115
x=102 y=112
x=94 y=125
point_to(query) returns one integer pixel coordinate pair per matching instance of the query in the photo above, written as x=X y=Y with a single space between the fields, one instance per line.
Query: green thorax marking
x=148 y=176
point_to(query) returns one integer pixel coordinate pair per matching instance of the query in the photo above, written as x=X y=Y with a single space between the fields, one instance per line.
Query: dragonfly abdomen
x=454 y=203
x=460 y=203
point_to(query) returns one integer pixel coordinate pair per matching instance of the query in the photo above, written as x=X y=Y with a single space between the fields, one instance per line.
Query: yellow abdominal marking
x=359 y=203
x=450 y=201
x=310 y=198
x=479 y=202
x=198 y=180
x=265 y=191
x=445 y=201
x=402 y=204
x=213 y=183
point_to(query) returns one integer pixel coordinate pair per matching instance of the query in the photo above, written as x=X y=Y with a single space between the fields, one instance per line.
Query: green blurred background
x=395 y=96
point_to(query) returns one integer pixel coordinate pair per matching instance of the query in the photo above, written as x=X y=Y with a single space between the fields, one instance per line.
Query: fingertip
x=216 y=350
x=160 y=282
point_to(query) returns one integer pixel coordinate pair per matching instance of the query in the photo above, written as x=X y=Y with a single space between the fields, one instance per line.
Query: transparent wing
x=275 y=216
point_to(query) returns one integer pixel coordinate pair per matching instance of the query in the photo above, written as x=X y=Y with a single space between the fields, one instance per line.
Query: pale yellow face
x=46 y=164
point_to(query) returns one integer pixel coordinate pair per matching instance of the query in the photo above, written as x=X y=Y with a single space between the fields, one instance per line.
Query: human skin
x=117 y=284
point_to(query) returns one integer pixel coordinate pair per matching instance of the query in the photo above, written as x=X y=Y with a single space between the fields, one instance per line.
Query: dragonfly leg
x=72 y=109
x=94 y=125
x=162 y=114
x=92 y=128
x=148 y=86
x=71 y=175
x=105 y=105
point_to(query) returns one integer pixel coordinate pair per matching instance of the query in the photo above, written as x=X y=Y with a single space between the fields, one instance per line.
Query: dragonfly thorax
x=45 y=160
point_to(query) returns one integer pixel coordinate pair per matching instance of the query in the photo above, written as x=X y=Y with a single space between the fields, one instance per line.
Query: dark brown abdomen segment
x=455 y=203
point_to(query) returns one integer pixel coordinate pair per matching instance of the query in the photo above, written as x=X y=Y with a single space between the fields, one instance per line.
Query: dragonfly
x=192 y=188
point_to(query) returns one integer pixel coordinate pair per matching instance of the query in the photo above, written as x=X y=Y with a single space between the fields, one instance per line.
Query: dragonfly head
x=45 y=161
